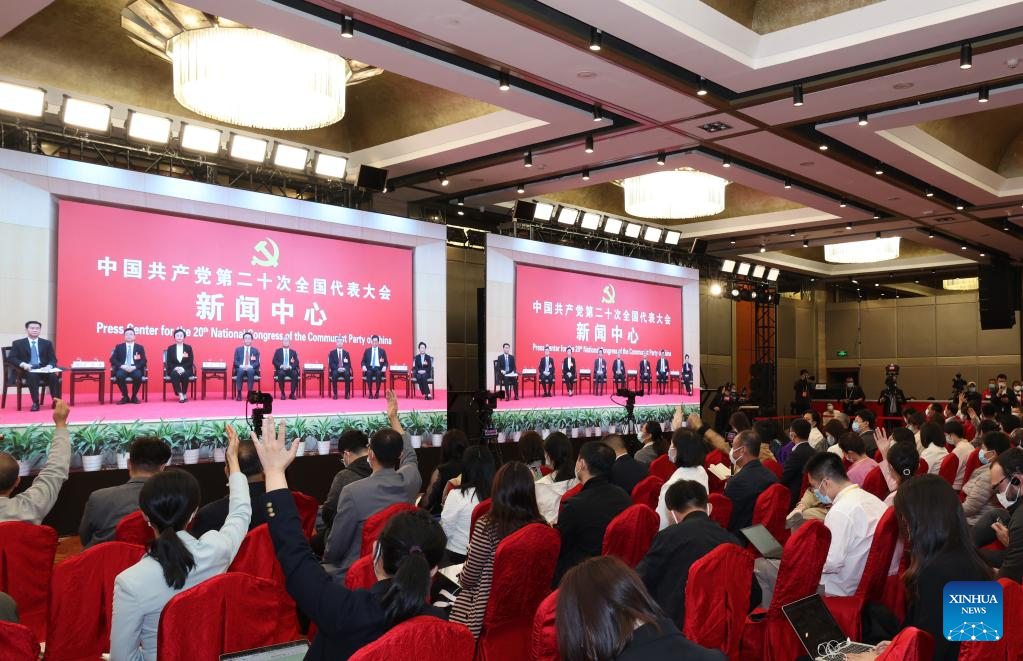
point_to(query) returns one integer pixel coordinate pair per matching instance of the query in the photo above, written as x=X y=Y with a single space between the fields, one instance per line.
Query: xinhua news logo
x=972 y=610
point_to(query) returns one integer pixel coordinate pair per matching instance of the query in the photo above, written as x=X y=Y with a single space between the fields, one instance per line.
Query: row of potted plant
x=578 y=422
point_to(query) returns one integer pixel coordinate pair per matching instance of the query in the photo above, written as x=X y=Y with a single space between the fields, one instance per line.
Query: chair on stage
x=133 y=529
x=130 y=381
x=14 y=377
x=256 y=378
x=629 y=535
x=648 y=491
x=544 y=646
x=717 y=595
x=280 y=386
x=424 y=638
x=166 y=379
x=375 y=525
x=366 y=383
x=26 y=565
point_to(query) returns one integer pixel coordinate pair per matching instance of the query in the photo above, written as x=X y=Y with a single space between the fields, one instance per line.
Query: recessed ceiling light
x=823 y=146
x=902 y=86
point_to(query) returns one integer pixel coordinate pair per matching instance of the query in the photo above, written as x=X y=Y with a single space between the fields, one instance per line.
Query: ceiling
x=437 y=108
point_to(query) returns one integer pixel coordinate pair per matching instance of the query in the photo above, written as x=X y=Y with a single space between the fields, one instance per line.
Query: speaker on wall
x=371 y=178
x=999 y=295
x=698 y=247
x=524 y=210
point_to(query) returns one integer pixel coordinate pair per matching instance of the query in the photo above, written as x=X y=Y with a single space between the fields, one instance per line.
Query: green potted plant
x=415 y=427
x=322 y=429
x=438 y=424
x=190 y=439
x=122 y=437
x=89 y=441
x=375 y=422
x=214 y=433
x=24 y=443
x=298 y=431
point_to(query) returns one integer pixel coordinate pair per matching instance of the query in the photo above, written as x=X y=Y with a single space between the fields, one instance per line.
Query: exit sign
x=842 y=354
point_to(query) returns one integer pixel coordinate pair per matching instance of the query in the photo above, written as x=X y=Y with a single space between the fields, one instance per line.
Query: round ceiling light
x=862 y=252
x=684 y=193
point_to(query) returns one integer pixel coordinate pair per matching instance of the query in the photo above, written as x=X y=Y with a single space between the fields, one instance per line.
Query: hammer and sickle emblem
x=270 y=253
x=609 y=294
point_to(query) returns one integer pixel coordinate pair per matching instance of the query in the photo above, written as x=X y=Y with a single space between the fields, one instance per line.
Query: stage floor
x=87 y=409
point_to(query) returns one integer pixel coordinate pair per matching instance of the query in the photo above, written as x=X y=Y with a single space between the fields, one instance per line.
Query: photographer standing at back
x=892 y=398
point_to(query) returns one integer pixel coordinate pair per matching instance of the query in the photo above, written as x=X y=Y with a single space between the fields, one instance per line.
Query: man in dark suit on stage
x=422 y=370
x=129 y=362
x=339 y=365
x=599 y=373
x=687 y=375
x=33 y=352
x=663 y=372
x=374 y=366
x=546 y=372
x=568 y=371
x=286 y=366
x=507 y=376
x=644 y=373
x=179 y=362
x=618 y=370
x=246 y=364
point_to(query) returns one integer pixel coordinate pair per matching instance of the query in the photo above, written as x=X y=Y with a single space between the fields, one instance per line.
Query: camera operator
x=892 y=398
x=725 y=403
x=803 y=389
x=853 y=397
x=1001 y=396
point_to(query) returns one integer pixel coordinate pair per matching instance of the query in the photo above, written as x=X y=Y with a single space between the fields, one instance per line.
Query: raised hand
x=231 y=455
x=274 y=453
x=61 y=411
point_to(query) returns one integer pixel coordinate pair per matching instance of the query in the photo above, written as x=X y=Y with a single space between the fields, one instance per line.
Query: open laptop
x=763 y=541
x=293 y=651
x=818 y=632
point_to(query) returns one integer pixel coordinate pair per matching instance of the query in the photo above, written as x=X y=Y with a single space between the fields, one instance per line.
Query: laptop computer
x=293 y=651
x=818 y=632
x=763 y=541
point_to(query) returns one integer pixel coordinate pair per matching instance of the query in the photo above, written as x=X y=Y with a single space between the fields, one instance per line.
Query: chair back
x=773 y=466
x=922 y=467
x=133 y=529
x=81 y=600
x=879 y=557
x=228 y=613
x=477 y=512
x=874 y=482
x=568 y=494
x=307 y=507
x=629 y=534
x=544 y=645
x=949 y=468
x=26 y=565
x=375 y=525
x=771 y=508
x=720 y=509
x=18 y=642
x=911 y=644
x=361 y=575
x=717 y=597
x=802 y=561
x=1012 y=602
x=424 y=638
x=662 y=467
x=256 y=557
x=648 y=491
x=714 y=483
x=972 y=462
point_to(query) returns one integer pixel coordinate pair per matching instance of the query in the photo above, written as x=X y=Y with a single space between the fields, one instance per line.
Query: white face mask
x=672 y=454
x=733 y=456
x=1004 y=500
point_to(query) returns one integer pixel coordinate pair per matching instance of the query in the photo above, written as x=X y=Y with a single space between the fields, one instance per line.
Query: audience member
x=770 y=441
x=687 y=453
x=955 y=436
x=531 y=452
x=884 y=443
x=474 y=487
x=856 y=454
x=816 y=438
x=354 y=448
x=585 y=516
x=1005 y=476
x=979 y=499
x=147 y=456
x=212 y=515
x=802 y=450
x=550 y=488
x=904 y=461
x=690 y=535
x=513 y=505
x=35 y=503
x=626 y=471
x=653 y=443
x=452 y=446
x=750 y=480
x=863 y=425
x=175 y=560
x=395 y=479
x=932 y=440
x=833 y=430
x=604 y=613
x=405 y=556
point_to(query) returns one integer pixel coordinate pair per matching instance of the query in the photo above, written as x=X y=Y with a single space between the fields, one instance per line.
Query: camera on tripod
x=958 y=385
x=629 y=394
x=264 y=403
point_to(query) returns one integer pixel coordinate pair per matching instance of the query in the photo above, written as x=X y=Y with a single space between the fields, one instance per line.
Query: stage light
x=1005 y=224
x=86 y=114
x=797 y=94
x=588 y=148
x=199 y=138
x=715 y=289
x=444 y=181
x=863 y=121
x=612 y=225
x=632 y=230
x=848 y=226
x=20 y=100
x=982 y=95
x=503 y=81
x=595 y=39
x=347 y=27
x=332 y=167
x=543 y=211
x=586 y=174
x=753 y=294
x=930 y=234
x=877 y=235
x=735 y=292
x=962 y=247
x=652 y=234
x=702 y=89
x=672 y=237
x=567 y=216
x=248 y=149
x=148 y=128
x=292 y=158
x=661 y=158
x=763 y=248
x=792 y=232
x=966 y=56
x=772 y=275
x=598 y=114
x=758 y=271
x=520 y=189
x=590 y=221
x=527 y=159
x=744 y=268
x=728 y=266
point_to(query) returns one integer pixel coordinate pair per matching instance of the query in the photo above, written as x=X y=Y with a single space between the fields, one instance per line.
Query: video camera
x=958 y=385
x=264 y=403
x=629 y=394
x=486 y=402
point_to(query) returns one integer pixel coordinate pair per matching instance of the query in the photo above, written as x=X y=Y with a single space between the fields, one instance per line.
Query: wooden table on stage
x=86 y=374
x=528 y=375
x=633 y=376
x=214 y=373
x=312 y=372
x=400 y=373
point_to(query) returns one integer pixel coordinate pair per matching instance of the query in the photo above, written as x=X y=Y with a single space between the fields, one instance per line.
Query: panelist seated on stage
x=545 y=372
x=37 y=357
x=286 y=366
x=687 y=375
x=129 y=362
x=180 y=365
x=508 y=376
x=644 y=372
x=246 y=365
x=569 y=371
x=339 y=366
x=663 y=371
x=422 y=371
x=618 y=370
x=599 y=372
x=374 y=366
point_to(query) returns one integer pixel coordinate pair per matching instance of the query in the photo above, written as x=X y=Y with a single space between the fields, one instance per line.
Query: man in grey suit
x=395 y=479
x=105 y=507
x=34 y=503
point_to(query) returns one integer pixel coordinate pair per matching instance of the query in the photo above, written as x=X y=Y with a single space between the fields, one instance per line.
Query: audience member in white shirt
x=557 y=450
x=456 y=518
x=962 y=448
x=687 y=451
x=817 y=440
x=932 y=439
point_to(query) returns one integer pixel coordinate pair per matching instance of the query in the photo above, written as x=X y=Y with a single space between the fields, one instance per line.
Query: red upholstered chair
x=307 y=506
x=1012 y=602
x=771 y=508
x=375 y=525
x=874 y=482
x=26 y=564
x=424 y=638
x=948 y=469
x=922 y=468
x=717 y=598
x=911 y=644
x=18 y=642
x=568 y=494
x=720 y=509
x=972 y=462
x=81 y=600
x=766 y=634
x=629 y=534
x=361 y=575
x=648 y=491
x=848 y=610
x=133 y=529
x=477 y=512
x=228 y=613
x=256 y=557
x=662 y=467
x=545 y=635
x=774 y=467
x=523 y=571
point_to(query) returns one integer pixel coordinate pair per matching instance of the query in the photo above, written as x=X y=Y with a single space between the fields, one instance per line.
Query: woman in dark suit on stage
x=180 y=365
x=568 y=371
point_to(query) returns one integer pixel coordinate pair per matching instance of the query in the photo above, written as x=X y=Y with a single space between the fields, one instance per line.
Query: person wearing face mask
x=653 y=443
x=803 y=393
x=813 y=417
x=932 y=439
x=1006 y=479
x=859 y=463
x=690 y=535
x=853 y=397
x=863 y=424
x=792 y=471
x=972 y=395
x=961 y=448
x=626 y=472
x=979 y=501
x=750 y=479
x=687 y=452
x=1001 y=396
x=557 y=450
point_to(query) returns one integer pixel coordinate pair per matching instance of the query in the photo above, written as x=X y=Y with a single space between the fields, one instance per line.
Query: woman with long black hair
x=550 y=488
x=405 y=557
x=478 y=468
x=175 y=560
